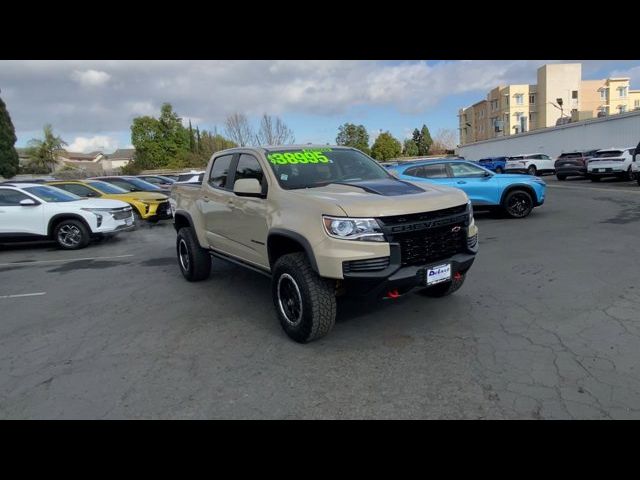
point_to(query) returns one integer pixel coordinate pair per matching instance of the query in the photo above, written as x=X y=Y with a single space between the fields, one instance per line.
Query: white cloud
x=101 y=143
x=46 y=91
x=90 y=78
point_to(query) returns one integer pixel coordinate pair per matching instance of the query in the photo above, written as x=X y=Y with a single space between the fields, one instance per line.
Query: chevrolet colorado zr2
x=322 y=222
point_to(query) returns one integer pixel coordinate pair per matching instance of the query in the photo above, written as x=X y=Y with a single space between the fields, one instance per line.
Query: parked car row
x=73 y=212
x=620 y=162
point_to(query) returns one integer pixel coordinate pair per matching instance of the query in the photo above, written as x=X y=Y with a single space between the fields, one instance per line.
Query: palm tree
x=43 y=153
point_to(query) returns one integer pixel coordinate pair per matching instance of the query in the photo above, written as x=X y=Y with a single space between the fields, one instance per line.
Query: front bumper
x=157 y=211
x=400 y=279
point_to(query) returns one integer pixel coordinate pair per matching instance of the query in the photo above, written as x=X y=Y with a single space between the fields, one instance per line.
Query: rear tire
x=71 y=234
x=193 y=260
x=305 y=302
x=562 y=178
x=594 y=179
x=444 y=289
x=518 y=203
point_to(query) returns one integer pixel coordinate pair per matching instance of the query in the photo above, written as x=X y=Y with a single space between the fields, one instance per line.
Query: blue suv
x=515 y=194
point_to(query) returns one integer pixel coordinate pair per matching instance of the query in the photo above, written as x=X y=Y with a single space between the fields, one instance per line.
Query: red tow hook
x=457 y=276
x=393 y=293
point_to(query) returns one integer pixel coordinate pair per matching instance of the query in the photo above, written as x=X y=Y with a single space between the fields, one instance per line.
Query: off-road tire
x=193 y=260
x=82 y=237
x=444 y=289
x=317 y=295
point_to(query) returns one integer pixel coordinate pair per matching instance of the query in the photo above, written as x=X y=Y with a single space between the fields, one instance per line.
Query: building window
x=519 y=98
x=532 y=99
x=603 y=94
x=574 y=94
x=622 y=108
x=622 y=92
x=636 y=104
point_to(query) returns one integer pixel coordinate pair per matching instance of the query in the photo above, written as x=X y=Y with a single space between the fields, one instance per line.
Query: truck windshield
x=316 y=167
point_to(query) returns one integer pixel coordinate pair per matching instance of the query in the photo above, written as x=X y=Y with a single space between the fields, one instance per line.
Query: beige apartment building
x=559 y=96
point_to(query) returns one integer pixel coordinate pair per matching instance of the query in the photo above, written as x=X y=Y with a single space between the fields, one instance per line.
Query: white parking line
x=2 y=297
x=595 y=188
x=36 y=262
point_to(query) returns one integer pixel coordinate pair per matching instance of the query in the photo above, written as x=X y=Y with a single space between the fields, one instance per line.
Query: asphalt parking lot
x=547 y=326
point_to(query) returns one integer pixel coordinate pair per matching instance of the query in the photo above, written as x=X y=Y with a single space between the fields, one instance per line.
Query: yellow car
x=146 y=205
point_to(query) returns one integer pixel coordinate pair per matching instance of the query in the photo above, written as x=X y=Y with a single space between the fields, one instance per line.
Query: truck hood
x=386 y=197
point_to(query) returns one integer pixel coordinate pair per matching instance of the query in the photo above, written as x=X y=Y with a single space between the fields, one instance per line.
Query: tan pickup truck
x=322 y=222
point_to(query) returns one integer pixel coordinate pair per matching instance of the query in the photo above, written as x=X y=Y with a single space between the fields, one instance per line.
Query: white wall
x=621 y=130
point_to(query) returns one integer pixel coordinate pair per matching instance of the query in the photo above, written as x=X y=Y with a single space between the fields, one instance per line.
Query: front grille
x=428 y=236
x=121 y=215
x=428 y=246
x=163 y=209
x=424 y=216
x=368 y=265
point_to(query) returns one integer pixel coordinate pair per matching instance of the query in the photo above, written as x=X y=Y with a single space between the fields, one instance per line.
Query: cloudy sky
x=91 y=103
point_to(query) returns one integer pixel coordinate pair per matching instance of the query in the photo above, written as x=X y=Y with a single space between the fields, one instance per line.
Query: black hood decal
x=388 y=187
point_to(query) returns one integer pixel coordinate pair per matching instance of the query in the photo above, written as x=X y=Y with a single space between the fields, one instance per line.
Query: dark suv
x=572 y=164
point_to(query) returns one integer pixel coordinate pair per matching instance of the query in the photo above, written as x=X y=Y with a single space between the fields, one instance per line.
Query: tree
x=158 y=141
x=410 y=148
x=198 y=139
x=43 y=153
x=444 y=141
x=238 y=129
x=355 y=136
x=211 y=142
x=192 y=138
x=386 y=147
x=273 y=131
x=425 y=141
x=8 y=156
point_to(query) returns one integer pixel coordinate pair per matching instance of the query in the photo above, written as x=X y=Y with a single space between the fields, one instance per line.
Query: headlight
x=366 y=229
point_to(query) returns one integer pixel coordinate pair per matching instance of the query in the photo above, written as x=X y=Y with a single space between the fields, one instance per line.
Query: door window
x=11 y=198
x=438 y=170
x=248 y=167
x=220 y=171
x=466 y=170
x=80 y=190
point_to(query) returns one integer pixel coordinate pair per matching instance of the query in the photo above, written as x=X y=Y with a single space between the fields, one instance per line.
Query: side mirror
x=28 y=202
x=247 y=187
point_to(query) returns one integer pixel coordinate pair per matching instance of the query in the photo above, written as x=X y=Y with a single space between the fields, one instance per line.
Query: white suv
x=611 y=162
x=32 y=211
x=530 y=163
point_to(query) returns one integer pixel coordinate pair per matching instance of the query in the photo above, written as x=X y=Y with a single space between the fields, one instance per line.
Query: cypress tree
x=8 y=155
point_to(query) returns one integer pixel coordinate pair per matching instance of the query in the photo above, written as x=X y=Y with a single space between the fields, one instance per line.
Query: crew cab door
x=248 y=228
x=16 y=219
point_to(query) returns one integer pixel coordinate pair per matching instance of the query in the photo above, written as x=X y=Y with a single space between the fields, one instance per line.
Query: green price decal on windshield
x=301 y=156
